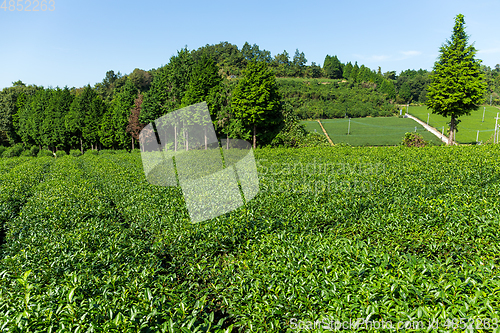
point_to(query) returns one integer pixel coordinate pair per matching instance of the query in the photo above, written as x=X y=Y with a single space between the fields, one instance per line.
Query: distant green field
x=380 y=131
x=312 y=126
x=469 y=125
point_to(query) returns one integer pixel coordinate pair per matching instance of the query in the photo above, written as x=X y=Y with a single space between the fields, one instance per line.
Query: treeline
x=492 y=77
x=112 y=112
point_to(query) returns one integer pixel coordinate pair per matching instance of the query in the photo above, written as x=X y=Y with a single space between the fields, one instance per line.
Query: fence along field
x=469 y=125
x=335 y=232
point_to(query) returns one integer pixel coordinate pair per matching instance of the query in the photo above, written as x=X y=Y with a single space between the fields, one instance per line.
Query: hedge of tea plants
x=391 y=234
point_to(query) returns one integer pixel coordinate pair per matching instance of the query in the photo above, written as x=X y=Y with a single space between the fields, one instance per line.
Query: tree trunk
x=132 y=143
x=81 y=145
x=452 y=131
x=254 y=136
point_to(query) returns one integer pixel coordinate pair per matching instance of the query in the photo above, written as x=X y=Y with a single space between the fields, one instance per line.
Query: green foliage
x=205 y=85
x=332 y=67
x=379 y=131
x=27 y=153
x=335 y=232
x=113 y=127
x=413 y=140
x=457 y=84
x=113 y=81
x=45 y=153
x=256 y=100
x=75 y=152
x=12 y=100
x=294 y=134
x=34 y=150
x=107 y=151
x=405 y=93
x=282 y=65
x=13 y=151
x=412 y=85
x=254 y=53
x=60 y=153
x=312 y=99
x=314 y=140
x=342 y=145
x=2 y=150
x=388 y=89
x=168 y=87
x=91 y=152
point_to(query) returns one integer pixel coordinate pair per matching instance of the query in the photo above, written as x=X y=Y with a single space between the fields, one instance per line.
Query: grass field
x=380 y=131
x=312 y=126
x=469 y=125
x=336 y=233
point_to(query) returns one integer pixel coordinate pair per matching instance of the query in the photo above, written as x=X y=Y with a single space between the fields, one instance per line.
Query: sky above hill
x=77 y=42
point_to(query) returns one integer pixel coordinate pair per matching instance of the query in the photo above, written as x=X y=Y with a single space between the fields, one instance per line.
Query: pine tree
x=347 y=71
x=457 y=84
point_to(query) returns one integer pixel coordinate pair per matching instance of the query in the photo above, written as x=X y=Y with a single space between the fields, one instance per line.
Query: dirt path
x=326 y=134
x=431 y=129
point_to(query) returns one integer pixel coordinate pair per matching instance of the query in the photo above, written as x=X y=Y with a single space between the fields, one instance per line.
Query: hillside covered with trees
x=110 y=114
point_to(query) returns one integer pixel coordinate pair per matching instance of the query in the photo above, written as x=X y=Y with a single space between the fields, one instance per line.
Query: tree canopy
x=256 y=99
x=457 y=84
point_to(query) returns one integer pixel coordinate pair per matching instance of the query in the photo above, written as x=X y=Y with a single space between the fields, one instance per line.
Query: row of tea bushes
x=73 y=263
x=375 y=233
x=17 y=185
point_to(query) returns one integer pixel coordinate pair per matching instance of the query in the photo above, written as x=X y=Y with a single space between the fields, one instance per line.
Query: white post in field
x=428 y=119
x=484 y=110
x=477 y=137
x=349 y=126
x=495 y=139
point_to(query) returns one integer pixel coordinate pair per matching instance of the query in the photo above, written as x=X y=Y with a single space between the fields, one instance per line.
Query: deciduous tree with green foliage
x=457 y=86
x=256 y=100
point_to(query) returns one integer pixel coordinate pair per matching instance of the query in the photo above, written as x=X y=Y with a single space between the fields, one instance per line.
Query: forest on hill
x=111 y=113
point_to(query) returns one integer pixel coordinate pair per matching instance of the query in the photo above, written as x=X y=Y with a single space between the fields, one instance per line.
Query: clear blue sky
x=79 y=41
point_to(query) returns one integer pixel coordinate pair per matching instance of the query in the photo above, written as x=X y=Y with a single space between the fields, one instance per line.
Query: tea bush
x=389 y=234
x=91 y=152
x=60 y=153
x=26 y=153
x=13 y=151
x=75 y=152
x=45 y=153
x=34 y=150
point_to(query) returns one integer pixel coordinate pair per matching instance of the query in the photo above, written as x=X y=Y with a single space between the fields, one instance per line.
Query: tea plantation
x=393 y=234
